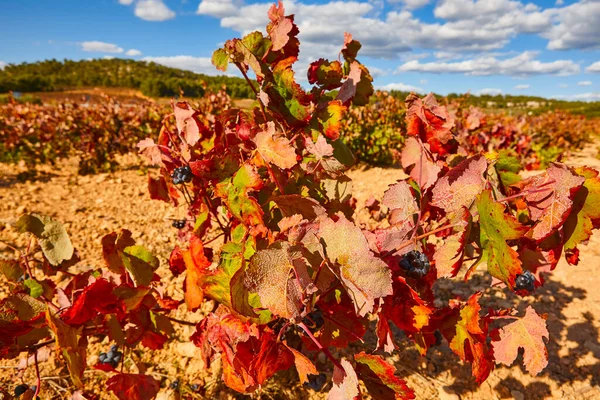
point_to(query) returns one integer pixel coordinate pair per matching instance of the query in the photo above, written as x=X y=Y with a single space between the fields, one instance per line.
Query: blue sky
x=543 y=47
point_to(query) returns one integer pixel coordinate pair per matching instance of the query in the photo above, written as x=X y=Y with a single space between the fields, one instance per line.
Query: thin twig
x=37 y=374
x=182 y=322
x=320 y=346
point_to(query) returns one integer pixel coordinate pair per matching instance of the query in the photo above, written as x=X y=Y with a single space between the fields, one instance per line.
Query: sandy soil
x=93 y=206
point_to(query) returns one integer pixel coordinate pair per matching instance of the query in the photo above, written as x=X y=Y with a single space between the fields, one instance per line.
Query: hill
x=517 y=103
x=151 y=79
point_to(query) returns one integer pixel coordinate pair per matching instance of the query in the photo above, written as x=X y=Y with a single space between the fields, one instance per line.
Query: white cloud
x=562 y=85
x=108 y=57
x=201 y=65
x=590 y=96
x=575 y=27
x=489 y=91
x=584 y=83
x=126 y=2
x=423 y=81
x=521 y=65
x=560 y=2
x=100 y=47
x=595 y=67
x=411 y=4
x=153 y=10
x=133 y=52
x=469 y=25
x=218 y=8
x=377 y=72
x=2 y=65
x=401 y=87
x=522 y=86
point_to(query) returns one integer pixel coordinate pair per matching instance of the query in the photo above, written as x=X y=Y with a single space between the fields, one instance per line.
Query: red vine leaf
x=187 y=122
x=378 y=376
x=449 y=256
x=133 y=386
x=364 y=276
x=461 y=185
x=468 y=339
x=345 y=383
x=425 y=171
x=579 y=225
x=275 y=148
x=429 y=121
x=151 y=151
x=67 y=340
x=496 y=228
x=527 y=332
x=197 y=267
x=95 y=298
x=550 y=206
x=279 y=28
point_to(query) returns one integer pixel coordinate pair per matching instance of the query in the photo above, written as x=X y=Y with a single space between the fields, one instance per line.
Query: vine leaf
x=197 y=268
x=400 y=199
x=429 y=121
x=95 y=298
x=140 y=264
x=449 y=256
x=133 y=386
x=579 y=225
x=527 y=332
x=326 y=74
x=551 y=206
x=280 y=277
x=378 y=376
x=461 y=185
x=358 y=86
x=52 y=236
x=151 y=151
x=364 y=276
x=303 y=365
x=187 y=122
x=467 y=337
x=275 y=148
x=113 y=246
x=425 y=171
x=345 y=383
x=279 y=28
x=67 y=340
x=496 y=228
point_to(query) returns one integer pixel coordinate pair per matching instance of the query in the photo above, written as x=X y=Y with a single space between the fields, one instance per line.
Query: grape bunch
x=525 y=281
x=415 y=264
x=174 y=385
x=179 y=223
x=182 y=175
x=314 y=321
x=113 y=357
x=22 y=388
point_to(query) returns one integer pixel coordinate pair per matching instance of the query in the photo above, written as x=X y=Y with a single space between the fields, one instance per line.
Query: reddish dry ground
x=93 y=206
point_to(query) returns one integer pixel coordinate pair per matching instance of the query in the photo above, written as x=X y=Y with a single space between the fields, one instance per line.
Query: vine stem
x=320 y=346
x=262 y=107
x=424 y=235
x=180 y=321
x=37 y=374
x=539 y=189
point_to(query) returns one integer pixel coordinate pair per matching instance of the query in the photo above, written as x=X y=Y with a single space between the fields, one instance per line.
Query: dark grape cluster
x=316 y=382
x=113 y=357
x=415 y=264
x=179 y=223
x=22 y=388
x=525 y=281
x=314 y=321
x=182 y=175
x=174 y=385
x=195 y=387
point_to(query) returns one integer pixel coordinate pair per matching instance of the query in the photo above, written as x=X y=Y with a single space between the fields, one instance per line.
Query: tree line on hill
x=151 y=79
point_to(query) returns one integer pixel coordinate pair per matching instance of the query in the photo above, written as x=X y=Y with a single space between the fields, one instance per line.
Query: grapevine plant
x=270 y=237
